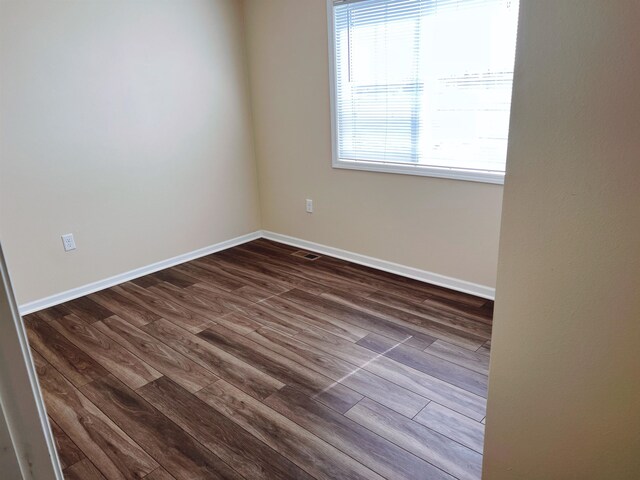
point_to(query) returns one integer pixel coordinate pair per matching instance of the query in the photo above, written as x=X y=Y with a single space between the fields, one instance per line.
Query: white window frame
x=388 y=167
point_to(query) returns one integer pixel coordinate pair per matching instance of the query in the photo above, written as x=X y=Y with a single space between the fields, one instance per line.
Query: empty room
x=319 y=239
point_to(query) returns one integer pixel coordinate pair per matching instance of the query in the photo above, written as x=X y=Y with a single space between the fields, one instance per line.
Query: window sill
x=424 y=171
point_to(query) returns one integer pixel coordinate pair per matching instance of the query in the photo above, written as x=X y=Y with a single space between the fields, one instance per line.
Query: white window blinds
x=424 y=82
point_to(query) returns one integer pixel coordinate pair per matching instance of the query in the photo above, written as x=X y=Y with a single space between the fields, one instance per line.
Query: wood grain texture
x=322 y=388
x=190 y=300
x=304 y=269
x=425 y=326
x=174 y=449
x=175 y=277
x=202 y=274
x=253 y=263
x=360 y=318
x=216 y=295
x=300 y=313
x=359 y=380
x=367 y=276
x=83 y=470
x=453 y=425
x=238 y=448
x=416 y=381
x=251 y=276
x=253 y=294
x=111 y=355
x=432 y=365
x=477 y=361
x=306 y=450
x=239 y=323
x=51 y=313
x=256 y=363
x=163 y=358
x=441 y=451
x=174 y=312
x=68 y=452
x=412 y=290
x=402 y=286
x=88 y=310
x=358 y=442
x=123 y=307
x=100 y=439
x=212 y=263
x=219 y=362
x=146 y=281
x=159 y=474
x=451 y=318
x=456 y=398
x=78 y=367
x=274 y=319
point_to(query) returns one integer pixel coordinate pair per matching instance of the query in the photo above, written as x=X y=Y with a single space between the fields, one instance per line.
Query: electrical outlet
x=309 y=205
x=68 y=242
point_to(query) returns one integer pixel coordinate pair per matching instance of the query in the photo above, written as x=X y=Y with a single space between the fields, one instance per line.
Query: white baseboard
x=403 y=270
x=132 y=274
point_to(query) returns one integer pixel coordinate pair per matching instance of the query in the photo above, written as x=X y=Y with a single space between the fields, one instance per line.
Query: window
x=422 y=86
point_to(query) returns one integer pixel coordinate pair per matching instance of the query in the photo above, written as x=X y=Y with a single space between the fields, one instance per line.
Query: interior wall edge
x=439 y=225
x=21 y=404
x=92 y=287
x=386 y=266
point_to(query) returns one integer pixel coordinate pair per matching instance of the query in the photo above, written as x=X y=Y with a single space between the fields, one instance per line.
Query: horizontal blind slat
x=424 y=81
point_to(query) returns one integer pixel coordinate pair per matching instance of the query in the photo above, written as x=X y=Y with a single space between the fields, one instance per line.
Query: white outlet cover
x=68 y=242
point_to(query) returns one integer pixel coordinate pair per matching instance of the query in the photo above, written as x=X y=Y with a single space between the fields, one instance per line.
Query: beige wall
x=564 y=393
x=26 y=441
x=442 y=226
x=126 y=123
x=8 y=460
x=129 y=125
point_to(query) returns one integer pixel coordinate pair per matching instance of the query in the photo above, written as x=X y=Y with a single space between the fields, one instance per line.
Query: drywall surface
x=564 y=391
x=127 y=124
x=26 y=442
x=443 y=226
x=8 y=460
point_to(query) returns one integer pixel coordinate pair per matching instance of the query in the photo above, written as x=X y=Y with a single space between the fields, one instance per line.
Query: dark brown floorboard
x=237 y=447
x=257 y=363
x=379 y=454
x=159 y=474
x=429 y=364
x=108 y=447
x=111 y=355
x=362 y=381
x=222 y=364
x=439 y=450
x=163 y=358
x=88 y=310
x=68 y=452
x=71 y=361
x=173 y=448
x=305 y=449
x=288 y=372
x=84 y=470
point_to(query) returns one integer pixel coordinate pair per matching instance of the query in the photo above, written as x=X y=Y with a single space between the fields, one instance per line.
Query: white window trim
x=482 y=176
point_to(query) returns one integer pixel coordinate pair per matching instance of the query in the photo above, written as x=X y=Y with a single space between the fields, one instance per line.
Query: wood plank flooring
x=256 y=363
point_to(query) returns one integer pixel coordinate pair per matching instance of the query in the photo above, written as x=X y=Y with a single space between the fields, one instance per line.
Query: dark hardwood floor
x=256 y=363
